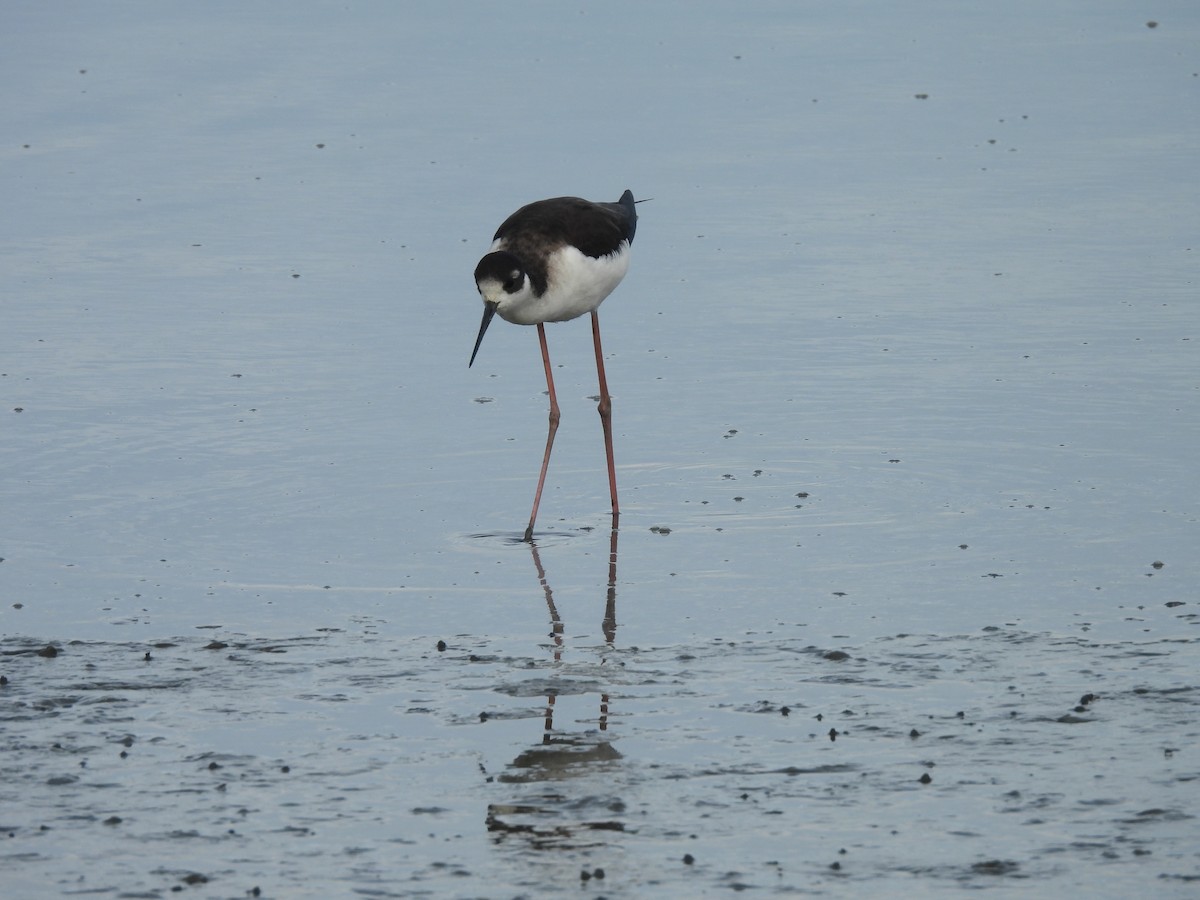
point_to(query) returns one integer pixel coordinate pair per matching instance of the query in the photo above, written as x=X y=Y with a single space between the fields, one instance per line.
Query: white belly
x=577 y=284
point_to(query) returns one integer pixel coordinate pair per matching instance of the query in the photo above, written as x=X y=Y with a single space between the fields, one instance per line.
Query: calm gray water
x=907 y=399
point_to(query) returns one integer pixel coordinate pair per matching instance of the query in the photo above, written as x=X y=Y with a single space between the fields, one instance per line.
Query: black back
x=597 y=229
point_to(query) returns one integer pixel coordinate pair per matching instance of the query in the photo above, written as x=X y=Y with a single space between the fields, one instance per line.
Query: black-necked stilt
x=551 y=261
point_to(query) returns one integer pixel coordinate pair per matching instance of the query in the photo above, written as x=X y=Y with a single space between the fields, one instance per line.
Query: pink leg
x=554 y=417
x=605 y=410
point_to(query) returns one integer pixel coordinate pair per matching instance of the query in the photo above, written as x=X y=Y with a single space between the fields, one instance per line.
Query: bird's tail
x=627 y=203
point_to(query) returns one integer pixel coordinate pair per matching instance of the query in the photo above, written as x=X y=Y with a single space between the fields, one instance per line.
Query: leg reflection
x=608 y=624
x=543 y=811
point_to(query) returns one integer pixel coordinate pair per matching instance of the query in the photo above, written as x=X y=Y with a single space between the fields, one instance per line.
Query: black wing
x=597 y=229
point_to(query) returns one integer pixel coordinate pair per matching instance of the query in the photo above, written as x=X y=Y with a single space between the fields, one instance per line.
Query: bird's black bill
x=489 y=310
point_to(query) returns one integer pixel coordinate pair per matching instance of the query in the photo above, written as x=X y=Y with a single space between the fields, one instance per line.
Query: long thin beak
x=489 y=310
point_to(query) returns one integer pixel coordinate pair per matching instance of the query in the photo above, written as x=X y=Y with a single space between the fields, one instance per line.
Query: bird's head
x=500 y=278
x=502 y=282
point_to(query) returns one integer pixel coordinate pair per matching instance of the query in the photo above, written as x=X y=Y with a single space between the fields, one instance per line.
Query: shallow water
x=359 y=760
x=906 y=401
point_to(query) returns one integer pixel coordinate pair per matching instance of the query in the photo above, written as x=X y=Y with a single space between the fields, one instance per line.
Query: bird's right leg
x=605 y=409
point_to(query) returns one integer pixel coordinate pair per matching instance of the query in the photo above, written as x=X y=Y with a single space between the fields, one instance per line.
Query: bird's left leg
x=554 y=417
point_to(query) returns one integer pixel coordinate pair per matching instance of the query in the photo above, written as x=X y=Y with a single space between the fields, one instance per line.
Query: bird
x=551 y=261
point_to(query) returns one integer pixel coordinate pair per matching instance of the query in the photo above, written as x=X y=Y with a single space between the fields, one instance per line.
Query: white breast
x=575 y=284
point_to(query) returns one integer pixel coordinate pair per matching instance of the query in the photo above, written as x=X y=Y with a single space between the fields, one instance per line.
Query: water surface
x=905 y=395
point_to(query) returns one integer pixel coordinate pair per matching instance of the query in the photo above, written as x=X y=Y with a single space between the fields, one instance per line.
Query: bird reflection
x=562 y=755
x=608 y=624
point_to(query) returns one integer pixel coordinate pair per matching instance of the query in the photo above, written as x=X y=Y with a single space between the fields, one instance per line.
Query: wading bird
x=551 y=261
